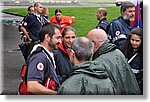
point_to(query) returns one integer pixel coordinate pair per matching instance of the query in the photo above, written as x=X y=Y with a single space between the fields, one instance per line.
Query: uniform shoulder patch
x=117 y=33
x=40 y=66
x=25 y=24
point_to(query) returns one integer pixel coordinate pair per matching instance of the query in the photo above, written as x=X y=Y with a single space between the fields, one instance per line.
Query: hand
x=26 y=39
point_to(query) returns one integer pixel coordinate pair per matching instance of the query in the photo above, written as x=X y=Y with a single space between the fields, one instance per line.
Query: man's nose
x=60 y=41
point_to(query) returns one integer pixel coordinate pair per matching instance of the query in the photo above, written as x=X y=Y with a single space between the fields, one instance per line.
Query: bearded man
x=120 y=28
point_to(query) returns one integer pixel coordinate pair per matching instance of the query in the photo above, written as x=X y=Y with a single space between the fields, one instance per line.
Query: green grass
x=85 y=16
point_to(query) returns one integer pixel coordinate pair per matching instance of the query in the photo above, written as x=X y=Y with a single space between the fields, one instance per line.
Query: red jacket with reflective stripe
x=65 y=21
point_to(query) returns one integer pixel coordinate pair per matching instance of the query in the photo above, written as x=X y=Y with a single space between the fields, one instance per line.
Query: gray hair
x=83 y=48
x=126 y=5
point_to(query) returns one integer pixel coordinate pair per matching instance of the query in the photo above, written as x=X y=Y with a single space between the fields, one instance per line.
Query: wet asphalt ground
x=11 y=58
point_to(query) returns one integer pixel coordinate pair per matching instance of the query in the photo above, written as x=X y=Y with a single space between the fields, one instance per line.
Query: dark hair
x=68 y=28
x=127 y=48
x=58 y=10
x=49 y=29
x=29 y=7
x=126 y=5
x=83 y=49
x=37 y=4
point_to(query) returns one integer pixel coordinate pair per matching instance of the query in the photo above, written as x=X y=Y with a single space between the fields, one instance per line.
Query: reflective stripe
x=135 y=71
x=121 y=36
x=132 y=57
x=109 y=36
x=47 y=82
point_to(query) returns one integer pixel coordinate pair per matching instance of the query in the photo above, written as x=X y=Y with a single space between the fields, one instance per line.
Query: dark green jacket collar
x=90 y=68
x=106 y=47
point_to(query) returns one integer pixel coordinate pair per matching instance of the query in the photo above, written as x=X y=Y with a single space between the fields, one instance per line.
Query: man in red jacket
x=60 y=20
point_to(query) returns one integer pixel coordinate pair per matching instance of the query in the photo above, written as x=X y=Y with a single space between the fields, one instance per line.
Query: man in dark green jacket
x=114 y=62
x=86 y=78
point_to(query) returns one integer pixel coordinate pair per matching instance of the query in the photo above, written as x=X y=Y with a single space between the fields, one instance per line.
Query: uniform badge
x=25 y=24
x=40 y=66
x=117 y=33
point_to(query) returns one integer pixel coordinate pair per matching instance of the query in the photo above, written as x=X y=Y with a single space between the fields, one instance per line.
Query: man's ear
x=72 y=56
x=122 y=12
x=47 y=37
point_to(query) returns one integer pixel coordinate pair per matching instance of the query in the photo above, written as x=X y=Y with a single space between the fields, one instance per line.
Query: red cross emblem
x=25 y=23
x=40 y=66
x=117 y=33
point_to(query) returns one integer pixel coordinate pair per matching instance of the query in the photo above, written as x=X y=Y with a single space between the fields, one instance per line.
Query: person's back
x=87 y=79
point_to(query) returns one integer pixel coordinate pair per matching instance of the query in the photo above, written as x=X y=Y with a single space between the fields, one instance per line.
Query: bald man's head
x=98 y=36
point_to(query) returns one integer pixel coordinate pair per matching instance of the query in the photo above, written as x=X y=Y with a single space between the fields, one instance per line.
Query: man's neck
x=102 y=18
x=37 y=14
x=126 y=20
x=46 y=47
x=78 y=62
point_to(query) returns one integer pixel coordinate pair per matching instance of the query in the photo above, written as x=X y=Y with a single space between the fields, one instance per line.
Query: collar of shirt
x=38 y=15
x=50 y=53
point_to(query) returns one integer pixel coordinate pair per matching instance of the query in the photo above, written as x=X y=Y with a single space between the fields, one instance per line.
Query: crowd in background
x=109 y=60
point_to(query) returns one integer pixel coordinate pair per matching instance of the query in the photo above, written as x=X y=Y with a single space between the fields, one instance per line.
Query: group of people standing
x=61 y=63
x=129 y=41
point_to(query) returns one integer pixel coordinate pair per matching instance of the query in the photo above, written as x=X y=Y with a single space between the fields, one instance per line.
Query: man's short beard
x=51 y=44
x=127 y=18
x=131 y=19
